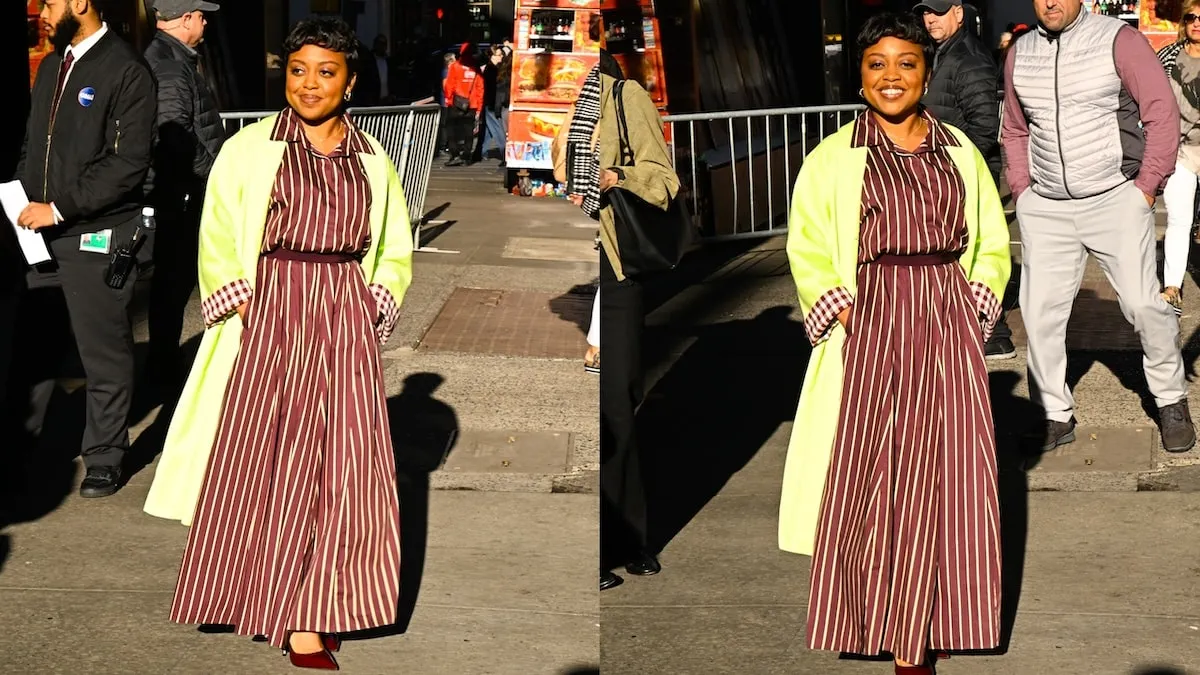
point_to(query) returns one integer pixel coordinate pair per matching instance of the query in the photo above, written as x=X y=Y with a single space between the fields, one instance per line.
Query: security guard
x=83 y=164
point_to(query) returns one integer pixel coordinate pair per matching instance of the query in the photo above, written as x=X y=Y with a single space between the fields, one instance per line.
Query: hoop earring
x=346 y=97
x=862 y=94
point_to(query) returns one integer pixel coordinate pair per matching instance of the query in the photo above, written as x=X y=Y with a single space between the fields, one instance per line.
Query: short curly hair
x=900 y=25
x=329 y=33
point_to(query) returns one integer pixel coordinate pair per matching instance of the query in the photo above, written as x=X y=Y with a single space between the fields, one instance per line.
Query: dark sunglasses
x=1190 y=18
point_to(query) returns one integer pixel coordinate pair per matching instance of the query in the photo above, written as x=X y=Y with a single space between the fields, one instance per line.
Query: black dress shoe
x=644 y=566
x=101 y=481
x=609 y=580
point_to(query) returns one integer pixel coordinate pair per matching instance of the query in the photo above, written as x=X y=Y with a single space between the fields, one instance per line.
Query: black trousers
x=98 y=316
x=460 y=132
x=176 y=252
x=623 y=511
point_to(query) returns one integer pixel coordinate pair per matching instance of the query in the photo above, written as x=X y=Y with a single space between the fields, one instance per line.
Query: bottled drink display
x=1117 y=9
x=624 y=34
x=552 y=31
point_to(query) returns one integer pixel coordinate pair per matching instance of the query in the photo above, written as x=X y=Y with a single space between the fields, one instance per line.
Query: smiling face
x=317 y=82
x=893 y=75
x=1056 y=15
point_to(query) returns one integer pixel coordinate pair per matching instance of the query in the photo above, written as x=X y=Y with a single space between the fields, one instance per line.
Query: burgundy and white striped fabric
x=298 y=526
x=907 y=554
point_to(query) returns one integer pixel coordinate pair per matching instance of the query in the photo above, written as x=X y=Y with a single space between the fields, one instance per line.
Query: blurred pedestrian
x=1182 y=63
x=962 y=93
x=463 y=89
x=899 y=248
x=497 y=77
x=190 y=135
x=279 y=454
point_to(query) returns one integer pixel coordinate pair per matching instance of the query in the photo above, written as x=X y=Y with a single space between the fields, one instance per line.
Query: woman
x=596 y=168
x=899 y=247
x=305 y=255
x=1182 y=61
x=463 y=90
x=495 y=97
x=503 y=98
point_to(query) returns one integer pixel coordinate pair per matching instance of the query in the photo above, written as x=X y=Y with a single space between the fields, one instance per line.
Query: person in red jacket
x=464 y=105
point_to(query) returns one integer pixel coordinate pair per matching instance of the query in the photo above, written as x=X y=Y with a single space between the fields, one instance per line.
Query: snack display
x=555 y=53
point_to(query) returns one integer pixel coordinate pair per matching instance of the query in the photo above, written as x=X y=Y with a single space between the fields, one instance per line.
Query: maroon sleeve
x=1014 y=135
x=1143 y=77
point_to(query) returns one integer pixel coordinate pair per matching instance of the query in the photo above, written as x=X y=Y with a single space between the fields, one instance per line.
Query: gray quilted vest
x=1085 y=133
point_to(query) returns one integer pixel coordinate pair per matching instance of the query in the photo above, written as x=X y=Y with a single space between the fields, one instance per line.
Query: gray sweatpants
x=1117 y=228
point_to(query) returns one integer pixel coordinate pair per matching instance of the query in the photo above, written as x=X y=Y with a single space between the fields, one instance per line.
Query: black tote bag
x=649 y=239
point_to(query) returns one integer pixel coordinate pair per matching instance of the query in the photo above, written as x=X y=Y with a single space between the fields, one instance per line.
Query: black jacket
x=92 y=164
x=962 y=92
x=190 y=133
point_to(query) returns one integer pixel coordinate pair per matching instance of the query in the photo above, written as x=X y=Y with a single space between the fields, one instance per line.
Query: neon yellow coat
x=822 y=248
x=231 y=233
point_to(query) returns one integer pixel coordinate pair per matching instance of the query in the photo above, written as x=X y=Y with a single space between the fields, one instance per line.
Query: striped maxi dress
x=298 y=525
x=907 y=555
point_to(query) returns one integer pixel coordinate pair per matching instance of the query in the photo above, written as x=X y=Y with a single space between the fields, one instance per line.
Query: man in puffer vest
x=1090 y=135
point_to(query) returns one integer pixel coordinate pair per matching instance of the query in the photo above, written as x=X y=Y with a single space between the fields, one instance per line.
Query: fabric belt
x=311 y=257
x=926 y=260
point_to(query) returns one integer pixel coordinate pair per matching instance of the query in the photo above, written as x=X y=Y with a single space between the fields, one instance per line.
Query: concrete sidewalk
x=506 y=586
x=1110 y=587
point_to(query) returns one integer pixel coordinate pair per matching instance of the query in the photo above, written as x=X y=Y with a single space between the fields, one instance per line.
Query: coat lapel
x=847 y=210
x=376 y=168
x=964 y=160
x=257 y=200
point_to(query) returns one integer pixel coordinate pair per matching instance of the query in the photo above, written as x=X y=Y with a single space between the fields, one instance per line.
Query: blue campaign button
x=86 y=96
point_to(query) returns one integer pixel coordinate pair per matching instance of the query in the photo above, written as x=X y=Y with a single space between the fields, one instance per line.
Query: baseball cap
x=937 y=6
x=173 y=9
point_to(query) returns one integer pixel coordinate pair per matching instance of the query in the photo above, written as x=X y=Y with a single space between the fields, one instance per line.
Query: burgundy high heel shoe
x=322 y=660
x=914 y=670
x=331 y=642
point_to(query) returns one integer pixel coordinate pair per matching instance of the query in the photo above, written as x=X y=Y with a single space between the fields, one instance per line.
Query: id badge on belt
x=96 y=242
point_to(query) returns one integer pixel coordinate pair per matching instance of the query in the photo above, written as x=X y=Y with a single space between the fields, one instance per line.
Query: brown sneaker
x=1175 y=424
x=1058 y=433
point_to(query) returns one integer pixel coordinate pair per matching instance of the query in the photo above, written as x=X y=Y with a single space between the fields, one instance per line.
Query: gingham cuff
x=389 y=312
x=989 y=308
x=225 y=301
x=821 y=319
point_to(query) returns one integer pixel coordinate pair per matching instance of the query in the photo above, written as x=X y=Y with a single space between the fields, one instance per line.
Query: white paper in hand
x=33 y=245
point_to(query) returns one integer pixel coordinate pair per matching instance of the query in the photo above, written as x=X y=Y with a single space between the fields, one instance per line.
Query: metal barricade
x=737 y=168
x=408 y=133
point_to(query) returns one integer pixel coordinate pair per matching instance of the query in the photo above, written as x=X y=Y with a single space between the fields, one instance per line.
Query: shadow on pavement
x=42 y=467
x=581 y=670
x=424 y=430
x=708 y=416
x=1158 y=670
x=149 y=395
x=567 y=306
x=1014 y=417
x=698 y=267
